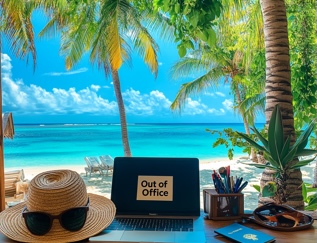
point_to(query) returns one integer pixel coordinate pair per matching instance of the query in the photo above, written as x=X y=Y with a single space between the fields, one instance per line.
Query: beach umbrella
x=7 y=131
x=7 y=123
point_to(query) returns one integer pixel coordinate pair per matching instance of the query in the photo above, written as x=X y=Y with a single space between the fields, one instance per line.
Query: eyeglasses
x=40 y=223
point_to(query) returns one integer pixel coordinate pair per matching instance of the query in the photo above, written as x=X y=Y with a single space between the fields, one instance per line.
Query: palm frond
x=17 y=25
x=208 y=80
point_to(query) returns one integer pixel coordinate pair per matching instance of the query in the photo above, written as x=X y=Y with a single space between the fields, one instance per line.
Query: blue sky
x=51 y=94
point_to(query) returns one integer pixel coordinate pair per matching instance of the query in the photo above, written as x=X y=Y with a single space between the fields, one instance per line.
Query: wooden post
x=2 y=192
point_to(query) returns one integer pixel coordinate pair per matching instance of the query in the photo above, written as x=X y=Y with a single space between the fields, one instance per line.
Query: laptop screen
x=156 y=186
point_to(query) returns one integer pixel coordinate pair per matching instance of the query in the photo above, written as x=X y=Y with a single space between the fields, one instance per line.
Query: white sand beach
x=102 y=184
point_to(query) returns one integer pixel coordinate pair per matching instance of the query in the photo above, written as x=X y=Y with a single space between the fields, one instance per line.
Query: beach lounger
x=93 y=166
x=11 y=179
x=106 y=163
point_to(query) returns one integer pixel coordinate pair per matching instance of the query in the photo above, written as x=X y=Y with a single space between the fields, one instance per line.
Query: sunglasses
x=40 y=223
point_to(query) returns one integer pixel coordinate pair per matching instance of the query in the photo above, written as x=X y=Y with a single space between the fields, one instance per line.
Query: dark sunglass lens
x=38 y=223
x=74 y=219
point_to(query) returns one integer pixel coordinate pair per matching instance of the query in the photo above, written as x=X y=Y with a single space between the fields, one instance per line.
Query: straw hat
x=54 y=192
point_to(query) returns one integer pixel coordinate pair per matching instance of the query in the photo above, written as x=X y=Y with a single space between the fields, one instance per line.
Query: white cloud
x=5 y=63
x=33 y=99
x=95 y=87
x=194 y=107
x=228 y=104
x=81 y=70
x=146 y=104
x=220 y=94
x=22 y=98
x=216 y=112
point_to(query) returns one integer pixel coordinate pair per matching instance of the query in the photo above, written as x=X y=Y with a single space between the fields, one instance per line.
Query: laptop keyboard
x=153 y=224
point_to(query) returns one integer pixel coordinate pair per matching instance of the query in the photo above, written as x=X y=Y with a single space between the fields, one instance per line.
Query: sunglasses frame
x=52 y=217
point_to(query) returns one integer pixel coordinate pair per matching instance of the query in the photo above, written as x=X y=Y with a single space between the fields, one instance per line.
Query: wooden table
x=304 y=236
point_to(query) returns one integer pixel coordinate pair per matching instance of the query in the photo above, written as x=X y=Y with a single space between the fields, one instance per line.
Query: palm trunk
x=278 y=91
x=245 y=121
x=2 y=189
x=123 y=121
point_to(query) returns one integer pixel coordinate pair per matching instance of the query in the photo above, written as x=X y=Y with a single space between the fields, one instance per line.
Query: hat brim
x=100 y=215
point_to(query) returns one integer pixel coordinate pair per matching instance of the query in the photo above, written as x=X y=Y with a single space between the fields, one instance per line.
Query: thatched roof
x=7 y=124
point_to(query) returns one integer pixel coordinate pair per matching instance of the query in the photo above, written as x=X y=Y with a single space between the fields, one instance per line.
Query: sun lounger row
x=103 y=165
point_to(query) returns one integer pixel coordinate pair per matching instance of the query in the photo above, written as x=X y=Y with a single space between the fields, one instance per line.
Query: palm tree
x=109 y=30
x=15 y=19
x=278 y=91
x=230 y=58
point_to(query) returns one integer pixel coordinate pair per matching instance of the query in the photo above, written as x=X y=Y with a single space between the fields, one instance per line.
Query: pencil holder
x=223 y=206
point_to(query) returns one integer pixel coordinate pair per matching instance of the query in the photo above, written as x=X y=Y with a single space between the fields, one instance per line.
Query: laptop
x=163 y=190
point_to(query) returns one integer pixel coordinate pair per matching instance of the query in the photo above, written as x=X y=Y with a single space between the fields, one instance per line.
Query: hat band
x=40 y=223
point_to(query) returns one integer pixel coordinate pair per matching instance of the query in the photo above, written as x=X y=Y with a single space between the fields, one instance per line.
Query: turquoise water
x=47 y=145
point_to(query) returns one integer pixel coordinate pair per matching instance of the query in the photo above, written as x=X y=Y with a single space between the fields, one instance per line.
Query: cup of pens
x=225 y=200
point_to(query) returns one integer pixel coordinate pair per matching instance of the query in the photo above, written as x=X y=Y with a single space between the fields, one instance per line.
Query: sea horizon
x=133 y=123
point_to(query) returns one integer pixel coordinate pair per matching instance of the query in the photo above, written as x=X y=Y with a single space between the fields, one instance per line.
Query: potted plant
x=281 y=155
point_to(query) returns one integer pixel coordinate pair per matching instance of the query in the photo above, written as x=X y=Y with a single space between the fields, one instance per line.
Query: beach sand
x=102 y=184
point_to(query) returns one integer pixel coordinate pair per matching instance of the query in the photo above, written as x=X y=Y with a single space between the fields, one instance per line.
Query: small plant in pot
x=282 y=157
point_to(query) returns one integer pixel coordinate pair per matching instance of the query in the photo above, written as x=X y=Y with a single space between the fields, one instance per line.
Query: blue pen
x=237 y=185
x=242 y=186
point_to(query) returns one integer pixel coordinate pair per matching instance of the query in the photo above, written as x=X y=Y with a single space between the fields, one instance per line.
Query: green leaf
x=306 y=152
x=304 y=192
x=257 y=187
x=289 y=157
x=276 y=135
x=261 y=166
x=193 y=19
x=309 y=188
x=181 y=50
x=212 y=38
x=269 y=189
x=166 y=5
x=312 y=202
x=279 y=130
x=261 y=138
x=285 y=150
x=302 y=163
x=312 y=198
x=302 y=140
x=311 y=207
x=274 y=164
x=252 y=143
x=190 y=45
x=202 y=35
x=177 y=8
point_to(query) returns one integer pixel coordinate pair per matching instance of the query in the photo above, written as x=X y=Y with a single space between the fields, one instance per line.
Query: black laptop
x=157 y=199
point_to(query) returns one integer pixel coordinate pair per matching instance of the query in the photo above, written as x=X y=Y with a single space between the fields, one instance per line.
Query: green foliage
x=191 y=19
x=303 y=52
x=268 y=190
x=230 y=139
x=309 y=196
x=282 y=156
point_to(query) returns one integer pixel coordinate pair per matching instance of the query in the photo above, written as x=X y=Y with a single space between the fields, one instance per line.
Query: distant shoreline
x=130 y=124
